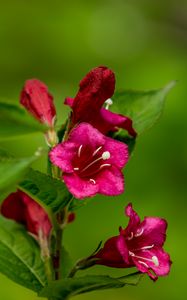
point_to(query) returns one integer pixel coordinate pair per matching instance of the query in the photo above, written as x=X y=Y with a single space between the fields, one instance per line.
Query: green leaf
x=20 y=258
x=143 y=107
x=63 y=289
x=46 y=190
x=12 y=170
x=15 y=122
x=66 y=263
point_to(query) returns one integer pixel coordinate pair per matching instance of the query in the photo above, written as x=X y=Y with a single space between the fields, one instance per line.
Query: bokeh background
x=145 y=43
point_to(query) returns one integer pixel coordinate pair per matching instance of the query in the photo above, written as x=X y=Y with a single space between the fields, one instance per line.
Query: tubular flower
x=140 y=245
x=21 y=208
x=91 y=162
x=96 y=88
x=38 y=101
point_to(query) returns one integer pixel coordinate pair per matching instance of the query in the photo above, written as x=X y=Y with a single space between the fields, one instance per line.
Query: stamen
x=106 y=155
x=108 y=103
x=139 y=232
x=93 y=162
x=95 y=152
x=154 y=258
x=79 y=151
x=92 y=181
x=104 y=165
x=131 y=236
x=144 y=248
x=76 y=169
x=143 y=263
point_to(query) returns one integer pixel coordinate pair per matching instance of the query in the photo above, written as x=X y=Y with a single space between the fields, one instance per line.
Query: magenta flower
x=139 y=244
x=37 y=100
x=96 y=88
x=91 y=162
x=21 y=208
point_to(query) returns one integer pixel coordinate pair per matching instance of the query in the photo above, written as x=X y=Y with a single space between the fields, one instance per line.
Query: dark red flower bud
x=21 y=208
x=38 y=101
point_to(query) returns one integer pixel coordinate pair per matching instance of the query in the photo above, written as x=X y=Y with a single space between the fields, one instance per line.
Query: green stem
x=73 y=272
x=57 y=252
x=48 y=271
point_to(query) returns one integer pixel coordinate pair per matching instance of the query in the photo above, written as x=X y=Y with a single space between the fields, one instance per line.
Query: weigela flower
x=21 y=208
x=139 y=244
x=38 y=101
x=96 y=88
x=91 y=162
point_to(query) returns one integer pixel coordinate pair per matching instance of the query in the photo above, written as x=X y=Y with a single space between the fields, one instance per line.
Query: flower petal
x=153 y=232
x=119 y=154
x=69 y=101
x=78 y=187
x=85 y=134
x=156 y=260
x=95 y=88
x=110 y=181
x=36 y=217
x=122 y=248
x=109 y=255
x=110 y=121
x=37 y=100
x=63 y=154
x=134 y=220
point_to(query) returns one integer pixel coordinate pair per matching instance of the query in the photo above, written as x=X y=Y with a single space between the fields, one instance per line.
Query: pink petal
x=134 y=220
x=110 y=181
x=78 y=187
x=154 y=231
x=112 y=121
x=69 y=101
x=85 y=134
x=122 y=248
x=118 y=152
x=37 y=100
x=36 y=217
x=63 y=154
x=110 y=256
x=162 y=264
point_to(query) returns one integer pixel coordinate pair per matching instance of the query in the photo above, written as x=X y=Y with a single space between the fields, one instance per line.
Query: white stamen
x=144 y=248
x=131 y=236
x=106 y=155
x=76 y=169
x=139 y=232
x=79 y=151
x=143 y=263
x=104 y=165
x=92 y=181
x=93 y=162
x=108 y=103
x=95 y=152
x=155 y=260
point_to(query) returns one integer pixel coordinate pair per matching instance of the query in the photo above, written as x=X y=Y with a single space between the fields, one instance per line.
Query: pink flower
x=91 y=162
x=95 y=88
x=20 y=207
x=139 y=244
x=37 y=100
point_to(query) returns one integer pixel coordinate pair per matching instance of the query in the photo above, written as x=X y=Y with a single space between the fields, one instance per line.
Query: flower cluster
x=139 y=244
x=89 y=162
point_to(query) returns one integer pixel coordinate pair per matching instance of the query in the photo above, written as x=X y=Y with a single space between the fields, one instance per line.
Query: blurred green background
x=145 y=43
